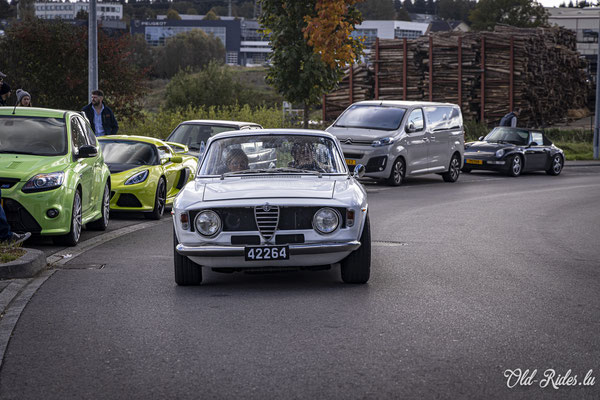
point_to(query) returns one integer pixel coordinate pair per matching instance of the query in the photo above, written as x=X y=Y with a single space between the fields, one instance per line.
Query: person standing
x=510 y=119
x=101 y=117
x=6 y=235
x=23 y=98
x=4 y=90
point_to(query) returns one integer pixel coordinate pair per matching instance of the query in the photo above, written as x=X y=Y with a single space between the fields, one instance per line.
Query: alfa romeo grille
x=267 y=218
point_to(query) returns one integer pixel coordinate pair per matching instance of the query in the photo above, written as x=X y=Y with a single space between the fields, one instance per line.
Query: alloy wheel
x=557 y=164
x=76 y=224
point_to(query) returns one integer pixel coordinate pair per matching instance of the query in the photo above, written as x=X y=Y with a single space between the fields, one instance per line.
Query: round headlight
x=500 y=153
x=326 y=220
x=208 y=223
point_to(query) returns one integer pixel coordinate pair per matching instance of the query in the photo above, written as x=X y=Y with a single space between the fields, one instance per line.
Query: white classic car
x=293 y=204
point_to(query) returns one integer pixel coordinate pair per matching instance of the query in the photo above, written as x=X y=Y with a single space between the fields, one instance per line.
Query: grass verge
x=10 y=253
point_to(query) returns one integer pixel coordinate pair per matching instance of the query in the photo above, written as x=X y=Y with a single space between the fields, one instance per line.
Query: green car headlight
x=43 y=182
x=137 y=178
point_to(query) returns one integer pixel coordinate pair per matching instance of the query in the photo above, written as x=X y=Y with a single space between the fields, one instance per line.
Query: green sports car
x=52 y=174
x=146 y=173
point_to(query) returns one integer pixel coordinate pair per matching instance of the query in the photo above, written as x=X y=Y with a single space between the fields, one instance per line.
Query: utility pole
x=92 y=48
x=229 y=9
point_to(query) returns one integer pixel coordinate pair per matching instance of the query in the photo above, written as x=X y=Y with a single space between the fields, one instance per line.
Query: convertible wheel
x=398 y=172
x=453 y=170
x=187 y=272
x=356 y=268
x=72 y=238
x=159 y=201
x=556 y=166
x=102 y=223
x=515 y=166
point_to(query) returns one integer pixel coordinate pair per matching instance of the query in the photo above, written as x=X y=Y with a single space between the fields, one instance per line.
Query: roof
x=217 y=122
x=133 y=138
x=403 y=103
x=34 y=112
x=257 y=132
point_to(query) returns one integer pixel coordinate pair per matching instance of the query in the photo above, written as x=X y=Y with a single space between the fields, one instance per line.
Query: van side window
x=455 y=119
x=438 y=117
x=416 y=119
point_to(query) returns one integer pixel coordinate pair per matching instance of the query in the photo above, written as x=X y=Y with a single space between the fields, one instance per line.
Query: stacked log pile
x=362 y=89
x=549 y=75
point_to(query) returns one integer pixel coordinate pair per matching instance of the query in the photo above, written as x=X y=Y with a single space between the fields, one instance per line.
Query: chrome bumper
x=238 y=251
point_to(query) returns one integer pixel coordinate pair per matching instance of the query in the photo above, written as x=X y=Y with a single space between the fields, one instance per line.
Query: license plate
x=350 y=162
x=478 y=162
x=266 y=253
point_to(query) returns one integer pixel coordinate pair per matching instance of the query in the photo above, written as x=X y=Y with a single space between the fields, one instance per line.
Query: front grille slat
x=267 y=219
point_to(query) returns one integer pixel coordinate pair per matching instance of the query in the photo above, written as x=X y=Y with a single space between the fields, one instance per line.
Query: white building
x=584 y=22
x=373 y=29
x=105 y=11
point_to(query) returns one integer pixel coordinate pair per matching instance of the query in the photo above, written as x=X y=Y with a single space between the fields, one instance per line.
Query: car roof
x=34 y=112
x=258 y=132
x=402 y=103
x=217 y=122
x=133 y=138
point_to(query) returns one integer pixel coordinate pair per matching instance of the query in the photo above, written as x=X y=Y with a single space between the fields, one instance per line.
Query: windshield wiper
x=271 y=170
x=297 y=170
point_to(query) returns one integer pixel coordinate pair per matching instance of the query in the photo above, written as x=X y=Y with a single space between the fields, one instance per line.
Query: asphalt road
x=469 y=280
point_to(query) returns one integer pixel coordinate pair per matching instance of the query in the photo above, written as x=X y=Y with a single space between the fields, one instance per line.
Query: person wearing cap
x=23 y=98
x=4 y=89
x=101 y=117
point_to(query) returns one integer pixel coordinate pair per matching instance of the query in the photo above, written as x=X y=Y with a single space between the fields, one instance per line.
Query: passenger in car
x=237 y=160
x=304 y=157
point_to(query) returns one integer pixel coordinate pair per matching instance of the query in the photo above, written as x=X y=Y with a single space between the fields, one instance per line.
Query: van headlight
x=208 y=223
x=382 y=142
x=43 y=182
x=500 y=153
x=326 y=220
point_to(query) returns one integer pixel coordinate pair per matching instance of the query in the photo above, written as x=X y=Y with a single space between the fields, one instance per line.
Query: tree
x=430 y=7
x=419 y=7
x=82 y=15
x=408 y=5
x=172 y=14
x=6 y=10
x=298 y=69
x=457 y=10
x=59 y=78
x=211 y=16
x=193 y=50
x=521 y=13
x=402 y=15
x=377 y=9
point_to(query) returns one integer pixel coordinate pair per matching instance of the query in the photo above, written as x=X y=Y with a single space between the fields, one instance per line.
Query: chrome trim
x=238 y=251
x=267 y=220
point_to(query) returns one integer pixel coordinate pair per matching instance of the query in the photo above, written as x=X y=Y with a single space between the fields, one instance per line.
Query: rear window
x=371 y=117
x=33 y=135
x=195 y=136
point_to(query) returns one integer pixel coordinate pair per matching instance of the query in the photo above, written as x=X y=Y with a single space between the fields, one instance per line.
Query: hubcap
x=398 y=171
x=517 y=165
x=106 y=205
x=77 y=217
x=557 y=164
x=454 y=168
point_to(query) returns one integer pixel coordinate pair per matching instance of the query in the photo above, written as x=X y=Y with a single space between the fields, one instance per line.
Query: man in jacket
x=101 y=117
x=510 y=119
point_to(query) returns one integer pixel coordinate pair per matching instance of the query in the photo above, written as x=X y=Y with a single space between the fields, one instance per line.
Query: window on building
x=406 y=33
x=231 y=57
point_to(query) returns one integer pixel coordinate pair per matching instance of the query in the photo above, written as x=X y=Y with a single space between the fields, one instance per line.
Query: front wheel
x=72 y=238
x=187 y=272
x=556 y=166
x=398 y=173
x=159 y=201
x=515 y=166
x=102 y=223
x=453 y=170
x=356 y=268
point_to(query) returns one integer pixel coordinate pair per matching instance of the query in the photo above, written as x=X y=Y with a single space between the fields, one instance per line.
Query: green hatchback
x=53 y=178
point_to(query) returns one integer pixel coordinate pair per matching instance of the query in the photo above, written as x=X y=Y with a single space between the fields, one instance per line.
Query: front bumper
x=486 y=163
x=377 y=160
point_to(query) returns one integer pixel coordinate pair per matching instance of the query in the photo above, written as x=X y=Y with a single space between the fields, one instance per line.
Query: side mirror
x=410 y=127
x=176 y=159
x=480 y=138
x=359 y=171
x=87 y=151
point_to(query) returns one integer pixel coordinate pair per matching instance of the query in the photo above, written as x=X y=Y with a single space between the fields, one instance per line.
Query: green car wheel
x=102 y=223
x=159 y=201
x=72 y=238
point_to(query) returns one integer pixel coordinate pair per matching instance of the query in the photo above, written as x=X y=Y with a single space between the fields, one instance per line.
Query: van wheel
x=453 y=170
x=398 y=172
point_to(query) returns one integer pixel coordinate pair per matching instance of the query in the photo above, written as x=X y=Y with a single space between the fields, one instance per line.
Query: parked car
x=303 y=211
x=195 y=133
x=395 y=139
x=52 y=173
x=513 y=151
x=147 y=173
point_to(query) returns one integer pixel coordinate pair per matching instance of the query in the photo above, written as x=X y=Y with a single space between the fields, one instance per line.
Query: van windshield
x=385 y=118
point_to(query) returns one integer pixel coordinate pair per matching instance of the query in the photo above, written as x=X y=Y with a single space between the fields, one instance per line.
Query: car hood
x=24 y=167
x=252 y=188
x=486 y=147
x=358 y=134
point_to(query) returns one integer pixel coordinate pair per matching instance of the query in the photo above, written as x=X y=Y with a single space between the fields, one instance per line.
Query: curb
x=27 y=266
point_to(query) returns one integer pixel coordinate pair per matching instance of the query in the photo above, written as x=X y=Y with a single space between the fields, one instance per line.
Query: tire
x=72 y=238
x=453 y=172
x=556 y=165
x=187 y=272
x=398 y=172
x=102 y=223
x=160 y=200
x=515 y=166
x=356 y=268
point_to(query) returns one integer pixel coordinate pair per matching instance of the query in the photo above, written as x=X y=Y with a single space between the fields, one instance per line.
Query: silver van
x=395 y=139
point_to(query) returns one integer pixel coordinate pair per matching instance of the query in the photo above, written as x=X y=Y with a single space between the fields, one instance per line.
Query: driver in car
x=236 y=160
x=304 y=157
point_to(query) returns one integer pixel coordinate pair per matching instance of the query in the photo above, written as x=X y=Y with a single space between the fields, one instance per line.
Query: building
x=105 y=11
x=372 y=29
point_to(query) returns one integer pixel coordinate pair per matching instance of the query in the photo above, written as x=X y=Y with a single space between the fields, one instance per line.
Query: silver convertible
x=292 y=205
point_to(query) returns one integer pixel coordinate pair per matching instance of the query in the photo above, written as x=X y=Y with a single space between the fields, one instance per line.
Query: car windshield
x=195 y=136
x=285 y=153
x=128 y=152
x=33 y=135
x=508 y=135
x=371 y=117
